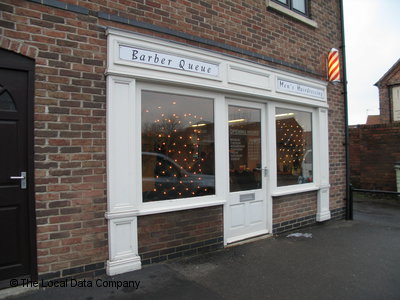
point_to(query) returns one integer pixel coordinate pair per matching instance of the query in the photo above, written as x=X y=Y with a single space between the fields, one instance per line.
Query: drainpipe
x=349 y=200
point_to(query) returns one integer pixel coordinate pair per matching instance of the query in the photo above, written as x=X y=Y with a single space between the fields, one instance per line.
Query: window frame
x=309 y=118
x=289 y=6
x=295 y=188
x=299 y=16
x=221 y=175
x=125 y=177
x=179 y=203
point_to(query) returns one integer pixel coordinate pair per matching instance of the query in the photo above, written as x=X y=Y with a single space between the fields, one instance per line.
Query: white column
x=323 y=212
x=121 y=209
x=397 y=169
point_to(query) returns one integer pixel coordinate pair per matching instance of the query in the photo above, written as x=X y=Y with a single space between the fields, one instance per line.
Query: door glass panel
x=244 y=148
x=6 y=101
x=177 y=146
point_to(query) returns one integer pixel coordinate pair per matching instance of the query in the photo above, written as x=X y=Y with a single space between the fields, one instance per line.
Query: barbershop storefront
x=204 y=150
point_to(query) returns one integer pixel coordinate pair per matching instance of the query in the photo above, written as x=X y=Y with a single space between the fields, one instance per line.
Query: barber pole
x=333 y=66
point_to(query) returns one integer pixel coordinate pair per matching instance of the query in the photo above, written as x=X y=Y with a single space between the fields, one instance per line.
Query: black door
x=17 y=217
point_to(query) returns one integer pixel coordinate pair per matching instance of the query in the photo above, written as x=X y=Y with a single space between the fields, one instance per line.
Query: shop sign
x=300 y=89
x=167 y=60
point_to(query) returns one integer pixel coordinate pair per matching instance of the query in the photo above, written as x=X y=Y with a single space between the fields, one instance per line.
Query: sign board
x=300 y=89
x=155 y=58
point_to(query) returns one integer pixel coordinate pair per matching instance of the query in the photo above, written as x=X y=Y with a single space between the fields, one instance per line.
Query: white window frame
x=295 y=188
x=161 y=206
x=134 y=175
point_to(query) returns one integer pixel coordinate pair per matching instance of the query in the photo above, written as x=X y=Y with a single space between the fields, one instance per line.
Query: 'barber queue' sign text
x=167 y=60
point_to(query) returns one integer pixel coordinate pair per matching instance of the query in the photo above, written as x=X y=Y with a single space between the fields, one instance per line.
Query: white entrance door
x=246 y=210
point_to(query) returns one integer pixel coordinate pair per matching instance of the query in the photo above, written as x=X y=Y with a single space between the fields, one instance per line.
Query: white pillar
x=323 y=212
x=397 y=169
x=121 y=209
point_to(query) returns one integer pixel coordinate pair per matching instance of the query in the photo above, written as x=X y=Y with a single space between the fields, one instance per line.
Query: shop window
x=177 y=146
x=293 y=147
x=299 y=6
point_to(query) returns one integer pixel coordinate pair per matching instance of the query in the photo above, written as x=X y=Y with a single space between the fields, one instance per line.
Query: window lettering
x=167 y=60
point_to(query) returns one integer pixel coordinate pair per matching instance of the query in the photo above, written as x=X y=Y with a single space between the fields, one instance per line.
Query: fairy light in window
x=290 y=148
x=178 y=140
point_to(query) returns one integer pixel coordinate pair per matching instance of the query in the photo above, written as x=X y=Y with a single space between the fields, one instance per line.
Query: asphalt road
x=357 y=259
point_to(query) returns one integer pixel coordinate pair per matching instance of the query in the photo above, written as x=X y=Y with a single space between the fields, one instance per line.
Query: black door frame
x=15 y=61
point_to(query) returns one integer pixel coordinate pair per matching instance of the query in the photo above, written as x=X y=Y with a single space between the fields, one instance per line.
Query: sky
x=372 y=32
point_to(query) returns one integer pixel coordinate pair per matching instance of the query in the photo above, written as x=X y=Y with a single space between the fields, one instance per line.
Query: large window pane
x=244 y=148
x=177 y=146
x=294 y=147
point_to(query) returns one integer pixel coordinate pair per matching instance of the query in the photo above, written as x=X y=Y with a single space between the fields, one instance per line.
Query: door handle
x=264 y=170
x=22 y=177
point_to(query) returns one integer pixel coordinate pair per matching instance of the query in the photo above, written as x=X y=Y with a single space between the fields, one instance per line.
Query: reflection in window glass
x=293 y=147
x=177 y=146
x=300 y=5
x=6 y=101
x=244 y=148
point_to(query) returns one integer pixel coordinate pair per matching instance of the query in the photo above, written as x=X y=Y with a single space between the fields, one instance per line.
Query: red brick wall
x=69 y=131
x=293 y=211
x=374 y=149
x=178 y=234
x=384 y=104
x=355 y=156
x=70 y=50
x=337 y=150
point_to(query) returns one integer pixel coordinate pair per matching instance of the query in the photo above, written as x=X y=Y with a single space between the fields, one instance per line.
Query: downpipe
x=349 y=200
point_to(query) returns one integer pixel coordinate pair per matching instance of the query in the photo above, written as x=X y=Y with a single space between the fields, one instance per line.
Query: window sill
x=175 y=205
x=288 y=190
x=291 y=13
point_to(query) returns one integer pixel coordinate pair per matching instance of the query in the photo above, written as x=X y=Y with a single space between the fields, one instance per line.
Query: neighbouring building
x=389 y=95
x=374 y=147
x=136 y=131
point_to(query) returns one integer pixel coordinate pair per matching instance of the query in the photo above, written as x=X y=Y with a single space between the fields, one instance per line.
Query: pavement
x=338 y=259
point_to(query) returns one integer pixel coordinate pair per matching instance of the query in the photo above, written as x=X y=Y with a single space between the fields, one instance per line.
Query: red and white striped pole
x=333 y=66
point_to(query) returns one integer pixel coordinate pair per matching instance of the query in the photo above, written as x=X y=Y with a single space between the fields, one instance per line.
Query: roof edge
x=397 y=63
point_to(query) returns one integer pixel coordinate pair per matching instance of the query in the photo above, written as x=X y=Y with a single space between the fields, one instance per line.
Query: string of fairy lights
x=291 y=143
x=179 y=167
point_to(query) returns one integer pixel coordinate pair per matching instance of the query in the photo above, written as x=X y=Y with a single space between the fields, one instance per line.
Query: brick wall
x=384 y=104
x=294 y=211
x=355 y=157
x=374 y=149
x=70 y=54
x=178 y=234
x=67 y=40
x=337 y=150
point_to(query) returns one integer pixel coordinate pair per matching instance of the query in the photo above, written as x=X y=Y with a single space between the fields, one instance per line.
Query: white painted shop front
x=189 y=128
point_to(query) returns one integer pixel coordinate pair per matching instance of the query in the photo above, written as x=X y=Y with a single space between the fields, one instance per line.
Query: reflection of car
x=163 y=178
x=306 y=168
